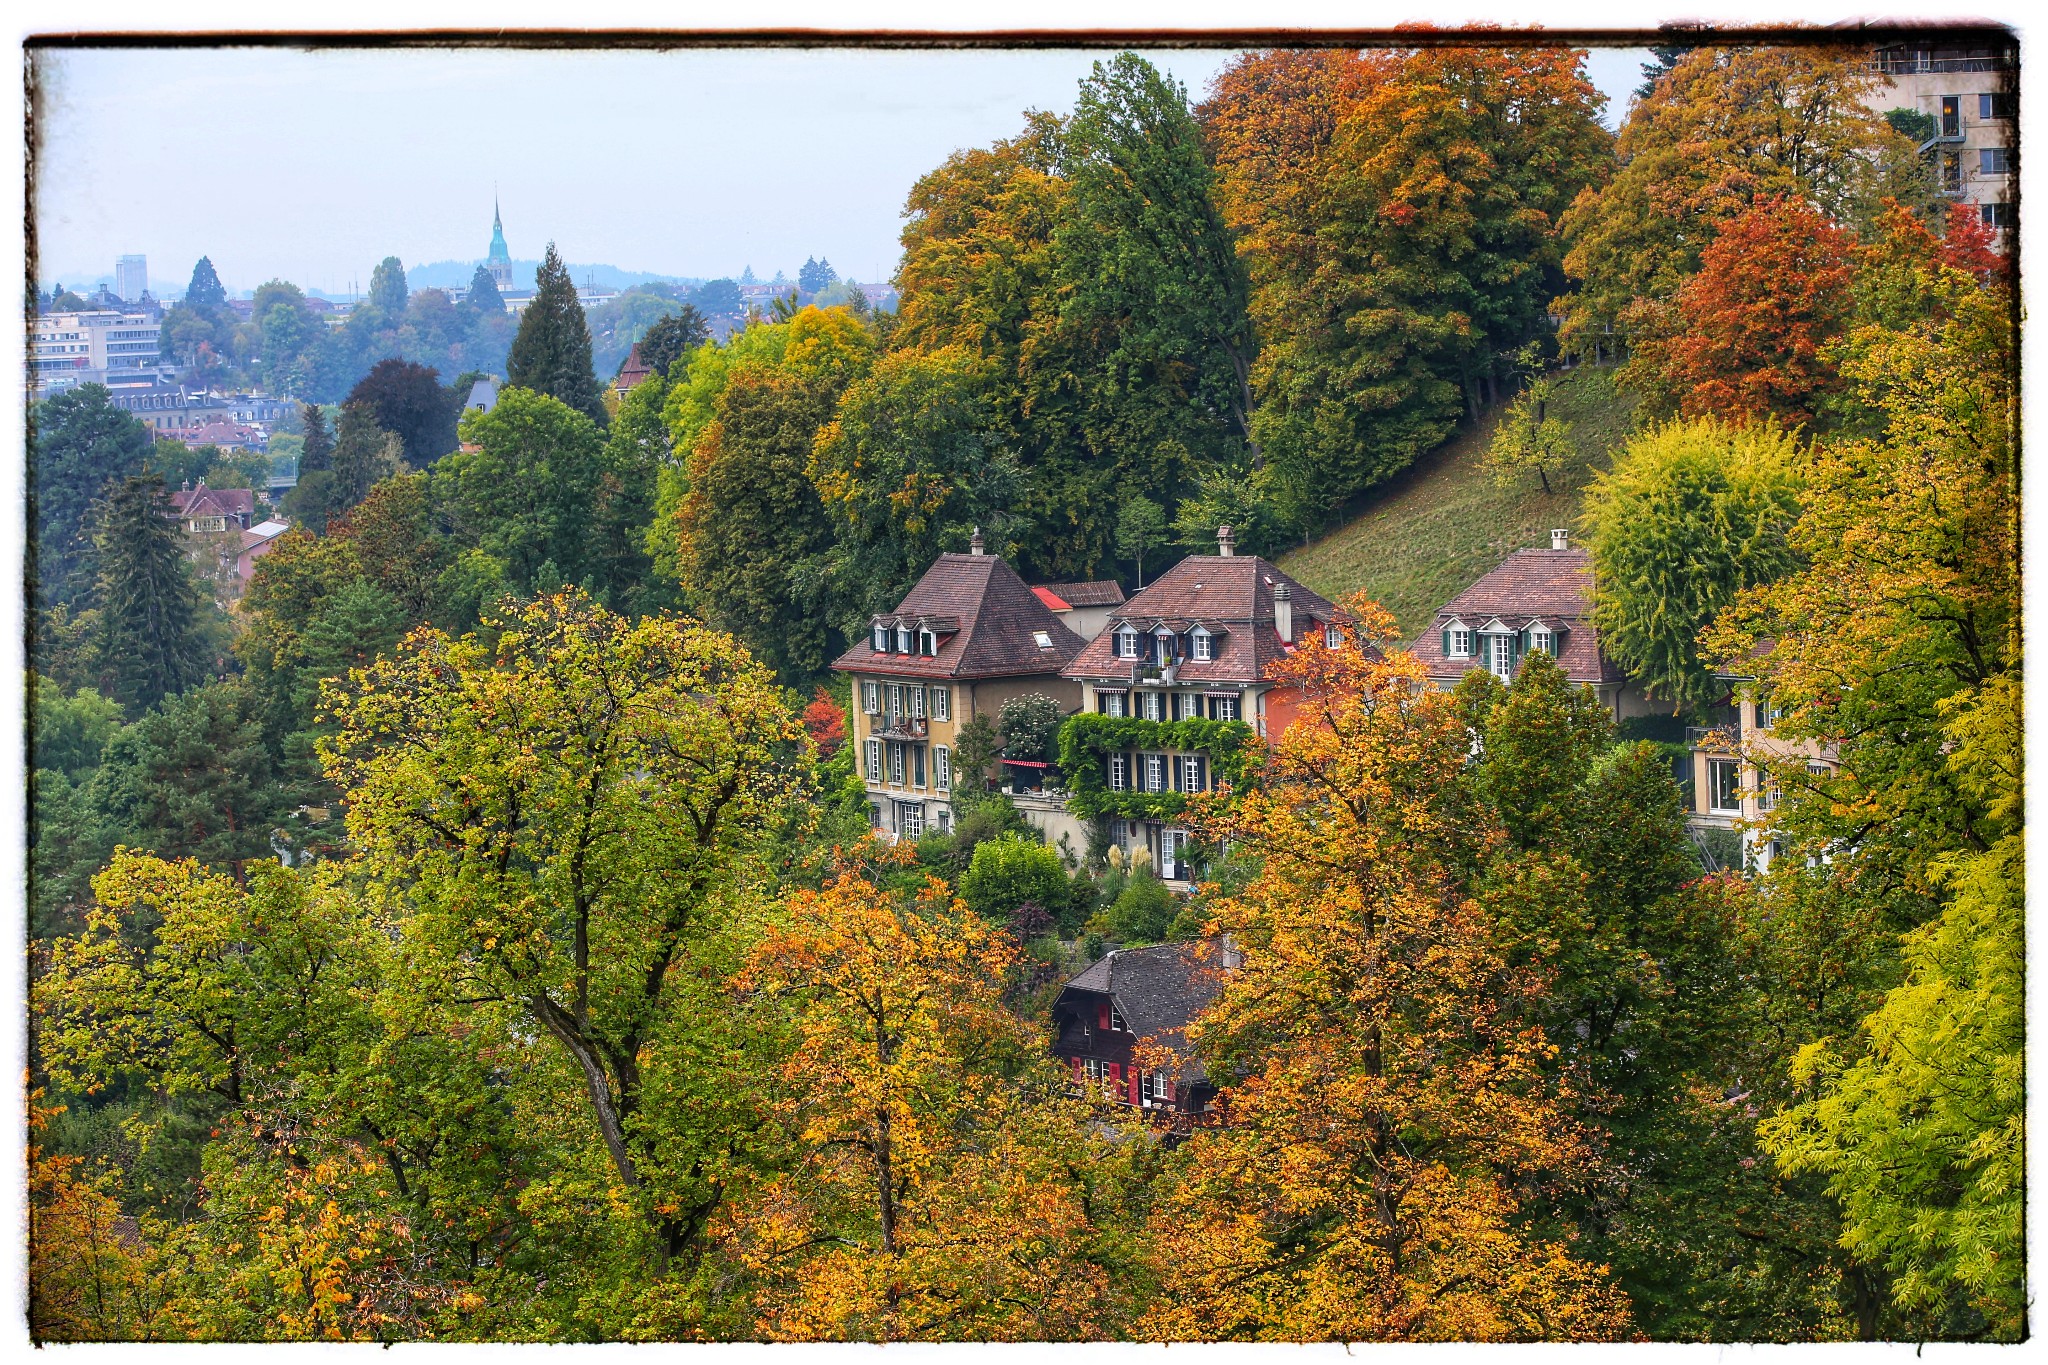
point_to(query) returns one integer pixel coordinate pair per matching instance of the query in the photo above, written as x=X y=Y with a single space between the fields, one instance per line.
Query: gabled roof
x=214 y=502
x=1159 y=991
x=632 y=370
x=1551 y=586
x=1095 y=593
x=1230 y=594
x=995 y=619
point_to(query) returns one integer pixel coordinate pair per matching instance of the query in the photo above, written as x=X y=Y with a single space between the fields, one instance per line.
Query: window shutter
x=1080 y=1072
x=1131 y=1081
x=1170 y=1095
x=1102 y=1014
x=1116 y=1077
x=1447 y=643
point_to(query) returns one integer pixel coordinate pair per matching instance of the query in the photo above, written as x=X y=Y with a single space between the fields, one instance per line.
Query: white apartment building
x=82 y=348
x=1968 y=93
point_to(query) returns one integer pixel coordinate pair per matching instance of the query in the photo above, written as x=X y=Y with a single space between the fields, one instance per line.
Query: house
x=256 y=543
x=1202 y=642
x=1733 y=789
x=968 y=637
x=1085 y=607
x=1535 y=599
x=203 y=511
x=632 y=372
x=1965 y=100
x=1121 y=1026
x=225 y=434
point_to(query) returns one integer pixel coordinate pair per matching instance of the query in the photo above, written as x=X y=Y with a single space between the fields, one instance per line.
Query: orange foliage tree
x=940 y=1179
x=825 y=723
x=1394 y=1095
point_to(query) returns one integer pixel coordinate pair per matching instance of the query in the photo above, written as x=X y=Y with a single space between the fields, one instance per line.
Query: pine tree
x=551 y=354
x=318 y=452
x=483 y=293
x=149 y=645
x=205 y=293
x=82 y=442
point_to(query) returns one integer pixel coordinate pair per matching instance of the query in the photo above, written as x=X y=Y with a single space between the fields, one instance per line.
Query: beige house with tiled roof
x=970 y=636
x=1536 y=599
x=1085 y=607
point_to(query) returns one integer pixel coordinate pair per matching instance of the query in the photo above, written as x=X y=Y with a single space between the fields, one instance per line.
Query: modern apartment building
x=1964 y=98
x=68 y=349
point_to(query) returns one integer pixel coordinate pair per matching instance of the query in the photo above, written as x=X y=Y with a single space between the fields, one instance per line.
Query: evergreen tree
x=483 y=296
x=150 y=645
x=816 y=276
x=82 y=442
x=192 y=779
x=672 y=338
x=205 y=294
x=551 y=354
x=364 y=452
x=318 y=452
x=388 y=291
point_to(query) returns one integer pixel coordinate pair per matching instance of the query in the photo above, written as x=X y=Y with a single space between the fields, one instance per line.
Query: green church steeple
x=499 y=262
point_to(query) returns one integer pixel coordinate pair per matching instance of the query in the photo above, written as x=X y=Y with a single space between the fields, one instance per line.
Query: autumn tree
x=1690 y=515
x=942 y=1185
x=1529 y=436
x=1394 y=1107
x=566 y=811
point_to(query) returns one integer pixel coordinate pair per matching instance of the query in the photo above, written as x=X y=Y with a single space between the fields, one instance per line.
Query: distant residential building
x=1084 y=607
x=1535 y=599
x=1968 y=95
x=632 y=372
x=228 y=435
x=1202 y=642
x=968 y=637
x=256 y=542
x=1732 y=788
x=68 y=349
x=131 y=277
x=171 y=410
x=202 y=510
x=1121 y=1028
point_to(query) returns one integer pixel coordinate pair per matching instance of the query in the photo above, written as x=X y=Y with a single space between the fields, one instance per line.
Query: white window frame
x=910 y=819
x=1190 y=772
x=1155 y=705
x=1333 y=635
x=1119 y=773
x=942 y=767
x=1127 y=643
x=1203 y=644
x=942 y=702
x=1542 y=638
x=871 y=697
x=895 y=765
x=1461 y=642
x=903 y=639
x=875 y=761
x=894 y=706
x=1223 y=708
x=1117 y=1022
x=927 y=643
x=1500 y=661
x=881 y=638
x=1155 y=772
x=1715 y=766
x=1114 y=703
x=915 y=700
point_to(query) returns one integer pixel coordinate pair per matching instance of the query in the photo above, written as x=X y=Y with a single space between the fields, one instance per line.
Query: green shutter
x=1447 y=642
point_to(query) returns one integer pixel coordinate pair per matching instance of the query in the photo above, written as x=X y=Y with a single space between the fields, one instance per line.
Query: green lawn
x=1441 y=523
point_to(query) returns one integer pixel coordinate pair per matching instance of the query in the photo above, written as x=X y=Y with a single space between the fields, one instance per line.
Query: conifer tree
x=149 y=644
x=363 y=453
x=318 y=452
x=551 y=354
x=483 y=293
x=205 y=293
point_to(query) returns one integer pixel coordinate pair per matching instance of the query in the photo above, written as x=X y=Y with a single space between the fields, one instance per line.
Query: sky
x=312 y=166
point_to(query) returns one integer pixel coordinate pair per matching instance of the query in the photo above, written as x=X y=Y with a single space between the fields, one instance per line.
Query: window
x=1155 y=772
x=1333 y=634
x=910 y=820
x=895 y=765
x=1042 y=638
x=1502 y=661
x=942 y=768
x=1112 y=703
x=895 y=703
x=1724 y=786
x=1186 y=706
x=1096 y=1070
x=942 y=703
x=1163 y=640
x=1994 y=161
x=916 y=765
x=881 y=638
x=1951 y=116
x=1204 y=644
x=927 y=643
x=916 y=700
x=1222 y=708
x=1543 y=640
x=1155 y=1087
x=1116 y=1019
x=1155 y=705
x=1995 y=106
x=1190 y=773
x=945 y=819
x=1997 y=215
x=1127 y=643
x=1951 y=172
x=871 y=697
x=875 y=761
x=903 y=639
x=1119 y=773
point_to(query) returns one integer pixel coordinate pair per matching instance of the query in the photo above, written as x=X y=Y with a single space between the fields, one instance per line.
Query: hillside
x=1443 y=522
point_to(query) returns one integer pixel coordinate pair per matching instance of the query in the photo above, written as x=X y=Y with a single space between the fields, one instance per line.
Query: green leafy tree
x=388 y=291
x=1030 y=726
x=671 y=338
x=1142 y=911
x=80 y=443
x=525 y=493
x=976 y=746
x=1690 y=515
x=1009 y=871
x=150 y=643
x=408 y=401
x=551 y=354
x=1528 y=437
x=1140 y=528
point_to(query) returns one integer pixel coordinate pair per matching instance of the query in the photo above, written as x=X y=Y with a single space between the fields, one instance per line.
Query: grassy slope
x=1441 y=523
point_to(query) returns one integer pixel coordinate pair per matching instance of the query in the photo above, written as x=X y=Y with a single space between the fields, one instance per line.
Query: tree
x=551 y=354
x=1756 y=323
x=408 y=401
x=82 y=444
x=816 y=276
x=1140 y=527
x=204 y=294
x=1142 y=911
x=941 y=1186
x=566 y=808
x=192 y=779
x=318 y=452
x=483 y=297
x=1690 y=515
x=1528 y=437
x=364 y=452
x=388 y=290
x=1005 y=873
x=717 y=298
x=671 y=338
x=1030 y=726
x=976 y=746
x=150 y=644
x=526 y=491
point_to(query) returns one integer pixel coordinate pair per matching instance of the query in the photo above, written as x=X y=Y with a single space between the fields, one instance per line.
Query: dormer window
x=1541 y=638
x=1127 y=643
x=1333 y=634
x=881 y=638
x=1202 y=644
x=1164 y=639
x=1457 y=640
x=927 y=643
x=903 y=639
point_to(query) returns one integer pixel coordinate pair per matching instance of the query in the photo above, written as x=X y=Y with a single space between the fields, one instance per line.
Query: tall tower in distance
x=131 y=278
x=499 y=262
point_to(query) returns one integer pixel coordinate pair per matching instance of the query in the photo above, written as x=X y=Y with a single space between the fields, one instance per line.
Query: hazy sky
x=312 y=166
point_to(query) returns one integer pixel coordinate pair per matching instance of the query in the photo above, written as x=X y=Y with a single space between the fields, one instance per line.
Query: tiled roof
x=1096 y=593
x=214 y=502
x=1052 y=600
x=988 y=623
x=1159 y=991
x=633 y=370
x=1551 y=586
x=1230 y=594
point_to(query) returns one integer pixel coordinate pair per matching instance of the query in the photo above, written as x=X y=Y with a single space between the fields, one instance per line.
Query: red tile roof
x=1096 y=593
x=1551 y=586
x=987 y=620
x=215 y=502
x=1233 y=597
x=1052 y=599
x=632 y=371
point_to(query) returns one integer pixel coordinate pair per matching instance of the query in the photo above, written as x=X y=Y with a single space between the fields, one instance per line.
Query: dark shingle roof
x=1233 y=592
x=1552 y=586
x=988 y=622
x=1098 y=593
x=1159 y=991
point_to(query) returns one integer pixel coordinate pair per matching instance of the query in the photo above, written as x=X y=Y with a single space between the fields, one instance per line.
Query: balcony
x=899 y=727
x=1719 y=739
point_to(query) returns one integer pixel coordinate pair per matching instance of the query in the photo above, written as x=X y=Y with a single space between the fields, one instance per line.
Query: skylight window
x=1043 y=637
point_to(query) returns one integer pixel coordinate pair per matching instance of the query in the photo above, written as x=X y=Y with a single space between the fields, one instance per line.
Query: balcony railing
x=1719 y=738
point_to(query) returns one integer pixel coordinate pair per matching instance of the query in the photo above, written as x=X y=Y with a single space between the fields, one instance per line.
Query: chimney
x=1558 y=539
x=975 y=544
x=1226 y=541
x=1283 y=612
